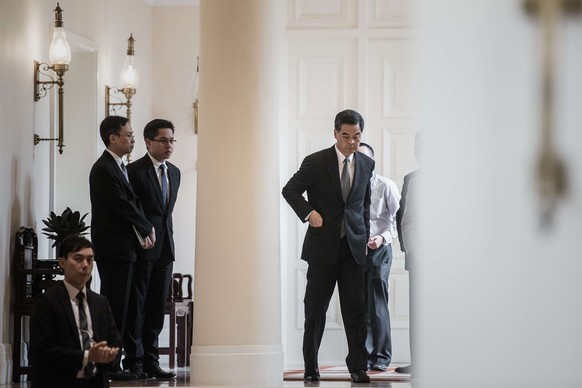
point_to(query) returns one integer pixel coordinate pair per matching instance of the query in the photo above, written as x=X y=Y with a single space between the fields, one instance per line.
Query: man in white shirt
x=383 y=207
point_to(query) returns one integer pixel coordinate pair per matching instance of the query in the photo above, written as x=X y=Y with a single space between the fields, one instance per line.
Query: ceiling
x=172 y=3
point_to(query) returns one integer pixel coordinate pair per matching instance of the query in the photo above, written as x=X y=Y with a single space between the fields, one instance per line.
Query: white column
x=237 y=302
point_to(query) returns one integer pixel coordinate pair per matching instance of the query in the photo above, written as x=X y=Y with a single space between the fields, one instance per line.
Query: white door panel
x=347 y=54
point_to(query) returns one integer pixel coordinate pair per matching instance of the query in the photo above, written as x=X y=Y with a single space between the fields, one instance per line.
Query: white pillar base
x=236 y=365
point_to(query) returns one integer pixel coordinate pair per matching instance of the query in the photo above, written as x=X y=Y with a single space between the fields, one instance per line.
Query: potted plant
x=68 y=223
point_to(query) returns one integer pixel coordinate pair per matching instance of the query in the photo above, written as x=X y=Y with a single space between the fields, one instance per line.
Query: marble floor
x=183 y=380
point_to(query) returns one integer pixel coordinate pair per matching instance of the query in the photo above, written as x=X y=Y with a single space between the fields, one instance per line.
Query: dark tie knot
x=80 y=296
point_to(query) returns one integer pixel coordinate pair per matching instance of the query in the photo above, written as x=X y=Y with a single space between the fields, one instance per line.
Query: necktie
x=346 y=180
x=124 y=171
x=164 y=182
x=345 y=191
x=84 y=329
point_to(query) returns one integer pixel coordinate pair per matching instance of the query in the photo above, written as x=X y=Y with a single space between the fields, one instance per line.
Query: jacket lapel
x=357 y=170
x=333 y=170
x=173 y=179
x=117 y=170
x=68 y=309
x=153 y=177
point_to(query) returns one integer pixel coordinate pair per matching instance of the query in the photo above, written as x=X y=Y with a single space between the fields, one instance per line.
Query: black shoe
x=138 y=372
x=309 y=377
x=404 y=369
x=158 y=373
x=380 y=367
x=360 y=376
x=121 y=376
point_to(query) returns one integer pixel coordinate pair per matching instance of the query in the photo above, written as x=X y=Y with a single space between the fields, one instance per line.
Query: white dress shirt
x=340 y=163
x=157 y=165
x=385 y=201
x=73 y=291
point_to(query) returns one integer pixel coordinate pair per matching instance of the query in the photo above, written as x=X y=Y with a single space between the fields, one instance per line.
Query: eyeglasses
x=164 y=141
x=130 y=136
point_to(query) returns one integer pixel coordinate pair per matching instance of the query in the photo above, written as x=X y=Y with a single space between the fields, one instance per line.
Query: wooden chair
x=31 y=278
x=180 y=308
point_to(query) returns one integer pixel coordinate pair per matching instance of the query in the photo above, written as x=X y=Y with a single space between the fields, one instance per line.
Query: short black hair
x=151 y=129
x=362 y=144
x=73 y=243
x=348 y=116
x=111 y=125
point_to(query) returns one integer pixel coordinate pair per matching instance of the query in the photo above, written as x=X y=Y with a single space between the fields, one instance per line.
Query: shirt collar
x=341 y=157
x=73 y=291
x=155 y=162
x=118 y=160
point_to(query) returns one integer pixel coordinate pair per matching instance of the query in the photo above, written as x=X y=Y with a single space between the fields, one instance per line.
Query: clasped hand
x=375 y=242
x=150 y=240
x=100 y=353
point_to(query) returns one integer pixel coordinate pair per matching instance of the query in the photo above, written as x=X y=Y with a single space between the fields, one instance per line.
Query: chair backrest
x=32 y=276
x=176 y=293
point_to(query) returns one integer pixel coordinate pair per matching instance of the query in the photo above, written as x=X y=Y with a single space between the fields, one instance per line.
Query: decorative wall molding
x=399 y=80
x=390 y=14
x=321 y=87
x=322 y=13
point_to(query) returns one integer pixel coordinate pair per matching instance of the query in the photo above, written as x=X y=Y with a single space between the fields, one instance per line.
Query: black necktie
x=345 y=191
x=84 y=329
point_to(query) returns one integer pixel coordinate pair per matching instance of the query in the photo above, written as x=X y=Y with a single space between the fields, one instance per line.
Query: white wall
x=499 y=295
x=175 y=48
x=25 y=28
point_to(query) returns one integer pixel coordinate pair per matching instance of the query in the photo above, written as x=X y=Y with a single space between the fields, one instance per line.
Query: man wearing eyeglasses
x=156 y=182
x=118 y=223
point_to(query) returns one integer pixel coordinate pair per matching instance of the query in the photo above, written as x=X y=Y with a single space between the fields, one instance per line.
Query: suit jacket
x=115 y=210
x=400 y=211
x=319 y=177
x=55 y=347
x=144 y=181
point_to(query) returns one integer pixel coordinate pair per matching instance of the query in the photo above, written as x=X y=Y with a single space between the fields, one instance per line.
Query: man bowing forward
x=337 y=182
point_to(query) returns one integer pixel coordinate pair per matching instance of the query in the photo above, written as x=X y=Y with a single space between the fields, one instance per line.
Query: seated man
x=72 y=331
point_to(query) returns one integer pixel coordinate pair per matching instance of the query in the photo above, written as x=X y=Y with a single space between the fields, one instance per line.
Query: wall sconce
x=195 y=92
x=129 y=81
x=60 y=57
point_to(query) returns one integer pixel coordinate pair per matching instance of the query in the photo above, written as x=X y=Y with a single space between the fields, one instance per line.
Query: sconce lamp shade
x=60 y=57
x=129 y=78
x=59 y=52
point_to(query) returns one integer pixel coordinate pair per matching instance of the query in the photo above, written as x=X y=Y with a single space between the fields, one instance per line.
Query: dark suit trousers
x=321 y=280
x=378 y=342
x=151 y=285
x=412 y=324
x=116 y=278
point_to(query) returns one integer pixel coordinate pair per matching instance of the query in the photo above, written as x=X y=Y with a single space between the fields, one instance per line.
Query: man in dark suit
x=156 y=182
x=72 y=337
x=118 y=224
x=337 y=182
